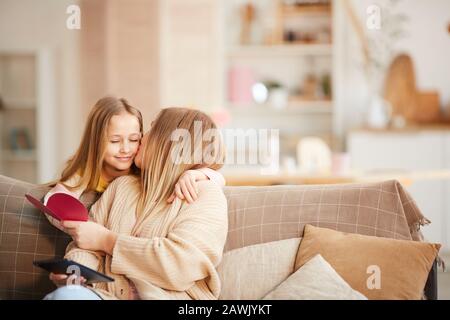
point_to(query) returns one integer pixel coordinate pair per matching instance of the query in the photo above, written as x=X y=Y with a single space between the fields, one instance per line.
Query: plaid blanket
x=263 y=214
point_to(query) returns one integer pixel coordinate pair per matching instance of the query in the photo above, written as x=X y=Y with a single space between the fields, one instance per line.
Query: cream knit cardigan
x=172 y=254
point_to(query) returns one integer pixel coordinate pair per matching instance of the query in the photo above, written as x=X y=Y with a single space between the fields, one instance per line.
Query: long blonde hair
x=164 y=160
x=88 y=159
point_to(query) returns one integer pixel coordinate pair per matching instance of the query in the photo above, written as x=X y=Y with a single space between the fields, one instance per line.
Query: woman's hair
x=180 y=139
x=88 y=159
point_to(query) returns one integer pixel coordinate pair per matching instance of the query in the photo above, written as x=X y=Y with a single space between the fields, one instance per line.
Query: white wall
x=30 y=25
x=428 y=43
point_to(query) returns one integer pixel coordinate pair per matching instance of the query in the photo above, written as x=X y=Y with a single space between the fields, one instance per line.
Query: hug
x=160 y=226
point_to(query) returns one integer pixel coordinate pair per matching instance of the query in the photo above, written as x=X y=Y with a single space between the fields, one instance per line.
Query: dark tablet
x=65 y=266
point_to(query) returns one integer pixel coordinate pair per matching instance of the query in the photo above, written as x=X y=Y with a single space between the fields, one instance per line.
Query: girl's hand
x=186 y=187
x=87 y=235
x=63 y=279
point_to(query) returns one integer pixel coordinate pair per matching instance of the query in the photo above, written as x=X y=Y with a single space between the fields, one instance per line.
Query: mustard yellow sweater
x=172 y=255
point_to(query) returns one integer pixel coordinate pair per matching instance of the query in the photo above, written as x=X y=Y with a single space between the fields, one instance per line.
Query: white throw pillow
x=251 y=272
x=315 y=280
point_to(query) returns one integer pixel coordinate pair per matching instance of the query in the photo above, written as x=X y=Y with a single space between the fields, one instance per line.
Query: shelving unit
x=289 y=15
x=20 y=103
x=280 y=51
x=19 y=156
x=18 y=116
x=293 y=107
x=294 y=11
x=288 y=63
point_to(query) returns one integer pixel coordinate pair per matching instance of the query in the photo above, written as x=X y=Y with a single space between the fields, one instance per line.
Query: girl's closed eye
x=135 y=139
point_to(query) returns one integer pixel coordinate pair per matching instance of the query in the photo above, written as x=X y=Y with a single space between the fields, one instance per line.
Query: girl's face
x=140 y=153
x=123 y=138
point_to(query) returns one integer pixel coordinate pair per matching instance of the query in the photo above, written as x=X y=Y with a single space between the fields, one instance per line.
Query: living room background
x=160 y=53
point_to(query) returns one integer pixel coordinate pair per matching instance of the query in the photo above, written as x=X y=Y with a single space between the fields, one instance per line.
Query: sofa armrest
x=431 y=289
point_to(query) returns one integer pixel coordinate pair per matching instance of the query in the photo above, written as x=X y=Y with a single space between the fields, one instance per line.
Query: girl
x=110 y=142
x=152 y=249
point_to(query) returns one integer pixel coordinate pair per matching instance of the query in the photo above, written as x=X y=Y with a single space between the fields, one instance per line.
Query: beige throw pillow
x=379 y=268
x=251 y=272
x=315 y=280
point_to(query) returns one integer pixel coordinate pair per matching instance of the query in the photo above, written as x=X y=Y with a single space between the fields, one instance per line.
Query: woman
x=156 y=250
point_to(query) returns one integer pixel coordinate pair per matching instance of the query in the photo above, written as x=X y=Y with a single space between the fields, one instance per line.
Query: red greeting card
x=62 y=206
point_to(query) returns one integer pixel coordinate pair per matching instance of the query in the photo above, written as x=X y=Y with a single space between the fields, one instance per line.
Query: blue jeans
x=72 y=292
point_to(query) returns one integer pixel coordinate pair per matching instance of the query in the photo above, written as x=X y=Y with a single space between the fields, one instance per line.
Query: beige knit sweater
x=174 y=253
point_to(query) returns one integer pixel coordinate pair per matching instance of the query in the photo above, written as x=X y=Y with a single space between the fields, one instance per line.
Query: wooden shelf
x=308 y=13
x=19 y=103
x=282 y=50
x=237 y=177
x=289 y=63
x=19 y=155
x=294 y=11
x=408 y=129
x=300 y=107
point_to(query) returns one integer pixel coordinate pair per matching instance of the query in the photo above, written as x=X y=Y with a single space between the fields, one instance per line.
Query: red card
x=62 y=207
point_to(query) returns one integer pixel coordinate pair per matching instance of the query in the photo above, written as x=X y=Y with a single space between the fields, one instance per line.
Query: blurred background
x=358 y=90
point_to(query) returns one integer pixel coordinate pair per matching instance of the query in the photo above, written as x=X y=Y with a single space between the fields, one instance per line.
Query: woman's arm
x=190 y=251
x=88 y=258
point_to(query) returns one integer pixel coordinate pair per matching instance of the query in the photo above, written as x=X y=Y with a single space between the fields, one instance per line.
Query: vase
x=279 y=98
x=379 y=113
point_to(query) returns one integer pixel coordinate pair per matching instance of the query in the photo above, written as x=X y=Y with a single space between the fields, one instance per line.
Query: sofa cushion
x=379 y=268
x=252 y=272
x=264 y=214
x=26 y=235
x=315 y=280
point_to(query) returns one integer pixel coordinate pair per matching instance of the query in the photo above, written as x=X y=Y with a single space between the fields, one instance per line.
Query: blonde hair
x=161 y=166
x=90 y=154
